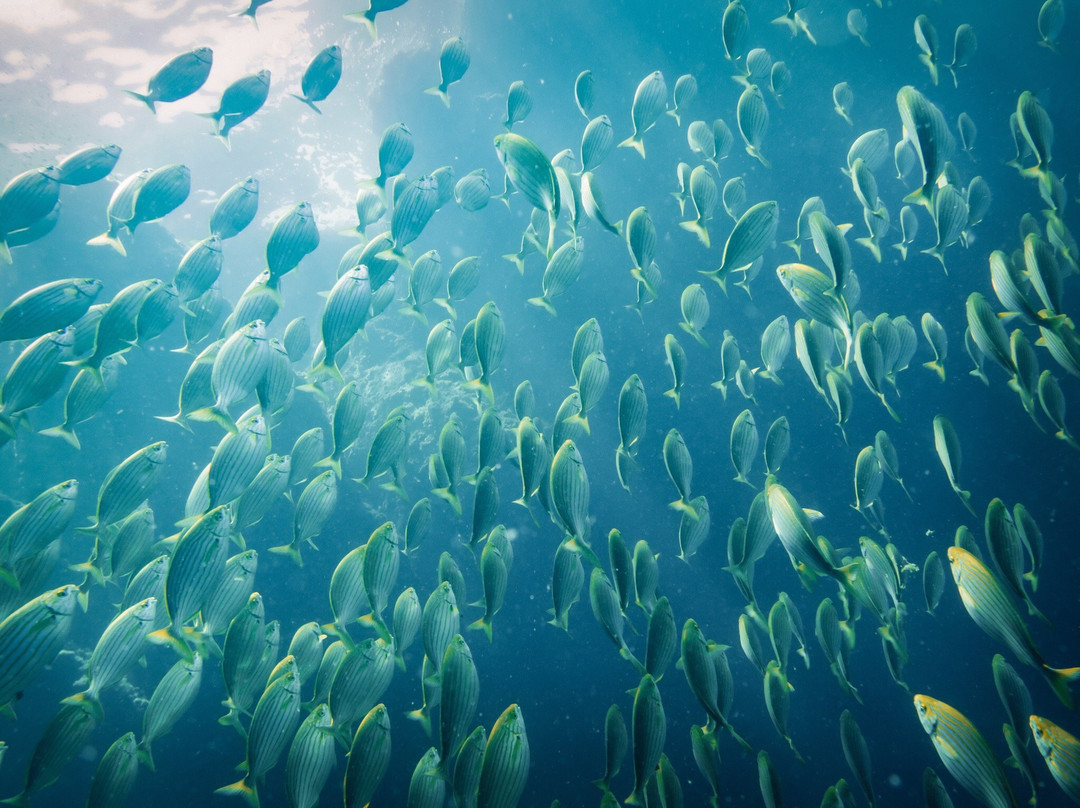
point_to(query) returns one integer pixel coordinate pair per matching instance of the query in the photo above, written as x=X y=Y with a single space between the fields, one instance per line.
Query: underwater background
x=63 y=67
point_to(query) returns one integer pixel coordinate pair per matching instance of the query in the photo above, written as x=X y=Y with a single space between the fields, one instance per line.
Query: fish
x=88 y=165
x=650 y=101
x=453 y=64
x=504 y=767
x=964 y=752
x=649 y=732
x=320 y=77
x=1061 y=751
x=181 y=76
x=240 y=100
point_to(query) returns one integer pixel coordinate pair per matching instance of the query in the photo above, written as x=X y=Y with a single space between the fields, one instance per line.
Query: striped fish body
x=306 y=450
x=269 y=485
x=273 y=724
x=794 y=530
x=382 y=559
x=650 y=101
x=534 y=458
x=413 y=209
x=306 y=647
x=439 y=622
x=33 y=526
x=460 y=695
x=661 y=639
x=32 y=636
x=633 y=411
x=28 y=197
x=196 y=564
x=427 y=788
x=293 y=237
x=311 y=758
x=171 y=698
x=118 y=211
x=242 y=652
x=328 y=665
x=238 y=458
x=485 y=505
x=504 y=768
x=1061 y=751
x=369 y=757
x=321 y=76
x=240 y=364
x=698 y=669
x=231 y=592
x=926 y=127
x=313 y=508
x=235 y=209
x=87 y=395
x=466 y=779
x=387 y=446
x=493 y=574
x=395 y=152
x=649 y=730
x=37 y=372
x=199 y=268
x=347 y=594
x=346 y=311
x=570 y=490
x=163 y=191
x=965 y=753
x=530 y=171
x=453 y=62
x=130 y=483
x=240 y=100
x=119 y=646
x=361 y=679
x=115 y=775
x=49 y=307
x=63 y=738
x=518 y=104
x=568 y=576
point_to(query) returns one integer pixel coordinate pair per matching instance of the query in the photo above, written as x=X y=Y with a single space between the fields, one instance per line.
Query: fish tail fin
x=939 y=254
x=217 y=415
x=439 y=92
x=635 y=798
x=718 y=275
x=674 y=114
x=682 y=506
x=327 y=367
x=484 y=386
x=952 y=72
x=641 y=278
x=330 y=462
x=421 y=718
x=106 y=239
x=1034 y=612
x=365 y=18
x=697 y=228
x=224 y=138
x=483 y=624
x=290 y=550
x=624 y=465
x=634 y=142
x=872 y=246
x=88 y=703
x=62 y=431
x=21 y=799
x=146 y=98
x=902 y=248
x=937 y=367
x=305 y=100
x=517 y=261
x=144 y=754
x=545 y=304
x=580 y=419
x=920 y=197
x=628 y=655
x=1060 y=679
x=582 y=548
x=241 y=788
x=788 y=22
x=428 y=383
x=166 y=636
x=675 y=394
x=754 y=152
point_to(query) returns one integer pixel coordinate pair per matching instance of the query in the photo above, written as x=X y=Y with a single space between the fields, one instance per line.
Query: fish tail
x=902 y=248
x=290 y=550
x=1060 y=679
x=166 y=636
x=428 y=384
x=872 y=246
x=718 y=275
x=754 y=152
x=675 y=114
x=696 y=227
x=581 y=419
x=327 y=367
x=582 y=547
x=8 y=578
x=62 y=431
x=396 y=486
x=628 y=655
x=635 y=798
x=330 y=462
x=920 y=197
x=144 y=755
x=937 y=367
x=21 y=799
x=420 y=717
x=365 y=18
x=484 y=386
x=88 y=703
x=105 y=239
x=787 y=21
x=440 y=92
x=634 y=142
x=304 y=99
x=146 y=98
x=545 y=304
x=1034 y=612
x=241 y=788
x=674 y=393
x=640 y=277
x=224 y=138
x=682 y=506
x=939 y=254
x=217 y=415
x=483 y=624
x=517 y=261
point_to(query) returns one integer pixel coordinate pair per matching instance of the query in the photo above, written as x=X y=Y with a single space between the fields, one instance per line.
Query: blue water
x=564 y=683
